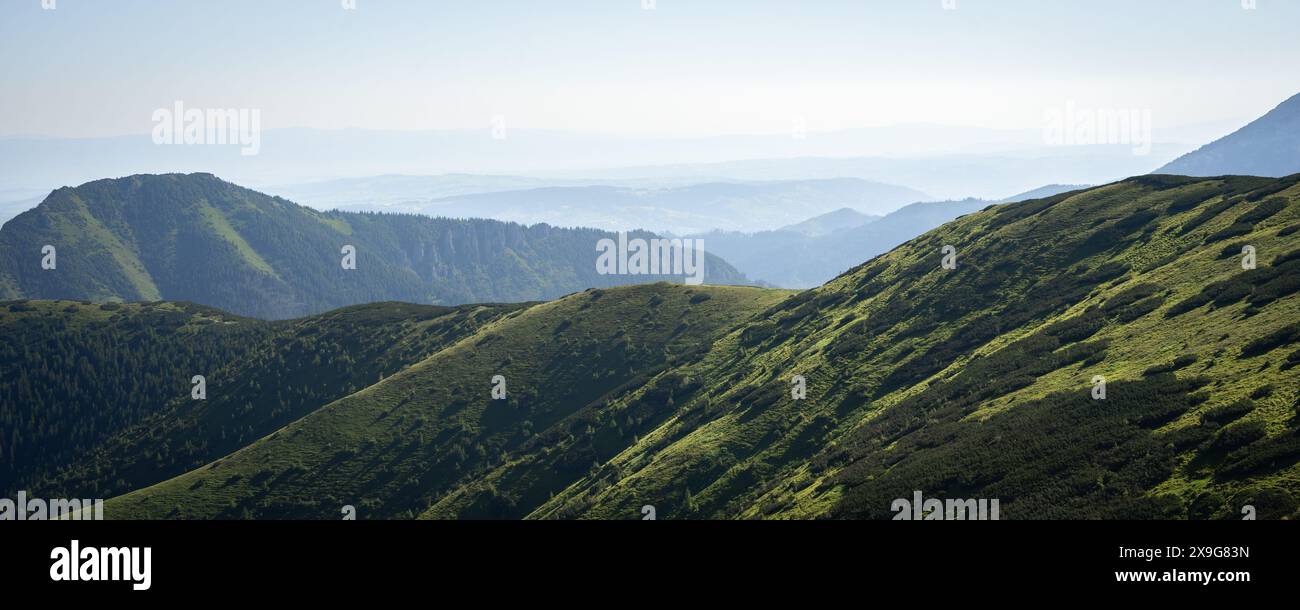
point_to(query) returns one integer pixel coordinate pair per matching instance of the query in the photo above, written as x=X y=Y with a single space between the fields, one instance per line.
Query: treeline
x=76 y=373
x=102 y=406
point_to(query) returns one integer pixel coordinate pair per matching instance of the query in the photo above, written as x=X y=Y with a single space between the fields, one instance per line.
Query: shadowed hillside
x=97 y=398
x=392 y=448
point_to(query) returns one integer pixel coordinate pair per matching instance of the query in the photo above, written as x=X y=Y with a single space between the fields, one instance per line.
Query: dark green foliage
x=1161 y=182
x=1063 y=457
x=1273 y=187
x=1234 y=230
x=1138 y=220
x=1232 y=250
x=73 y=378
x=143 y=427
x=1134 y=302
x=1130 y=296
x=1192 y=199
x=1246 y=222
x=1262 y=457
x=1258 y=287
x=1269 y=502
x=1237 y=435
x=1263 y=211
x=1283 y=336
x=1223 y=414
x=1208 y=214
x=1180 y=362
x=757 y=333
x=1292 y=360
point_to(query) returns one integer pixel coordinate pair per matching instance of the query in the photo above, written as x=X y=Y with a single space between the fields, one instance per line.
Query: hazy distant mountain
x=198 y=238
x=748 y=206
x=792 y=259
x=944 y=161
x=1268 y=146
x=987 y=176
x=402 y=193
x=410 y=194
x=830 y=222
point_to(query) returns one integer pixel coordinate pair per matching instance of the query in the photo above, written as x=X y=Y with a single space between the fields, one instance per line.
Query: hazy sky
x=688 y=67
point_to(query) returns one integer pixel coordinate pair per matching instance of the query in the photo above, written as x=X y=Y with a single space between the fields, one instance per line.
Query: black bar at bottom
x=237 y=559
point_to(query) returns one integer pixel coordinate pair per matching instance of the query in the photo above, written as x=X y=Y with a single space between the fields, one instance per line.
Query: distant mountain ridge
x=812 y=252
x=796 y=259
x=830 y=222
x=197 y=238
x=1268 y=146
x=692 y=208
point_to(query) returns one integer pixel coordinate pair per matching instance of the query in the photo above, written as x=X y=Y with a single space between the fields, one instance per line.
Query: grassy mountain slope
x=197 y=238
x=395 y=447
x=1268 y=146
x=293 y=368
x=975 y=382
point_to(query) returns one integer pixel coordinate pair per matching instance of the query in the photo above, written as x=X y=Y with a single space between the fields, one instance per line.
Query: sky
x=686 y=68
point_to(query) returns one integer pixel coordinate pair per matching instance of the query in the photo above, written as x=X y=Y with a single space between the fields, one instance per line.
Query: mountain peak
x=163 y=236
x=1268 y=146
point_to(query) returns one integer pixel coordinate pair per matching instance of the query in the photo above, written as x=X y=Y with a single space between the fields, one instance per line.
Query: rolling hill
x=197 y=238
x=392 y=447
x=97 y=398
x=976 y=381
x=1268 y=146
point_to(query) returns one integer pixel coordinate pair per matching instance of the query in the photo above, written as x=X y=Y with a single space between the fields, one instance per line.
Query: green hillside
x=75 y=374
x=100 y=402
x=392 y=448
x=976 y=382
x=973 y=382
x=197 y=238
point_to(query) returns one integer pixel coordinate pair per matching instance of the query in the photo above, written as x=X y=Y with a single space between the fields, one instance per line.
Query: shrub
x=1223 y=414
x=1238 y=435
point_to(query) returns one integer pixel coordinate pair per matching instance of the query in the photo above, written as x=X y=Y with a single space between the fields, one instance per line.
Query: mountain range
x=970 y=377
x=298 y=156
x=694 y=208
x=802 y=257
